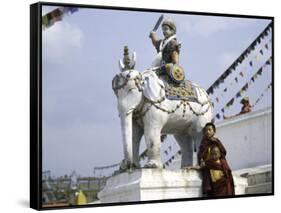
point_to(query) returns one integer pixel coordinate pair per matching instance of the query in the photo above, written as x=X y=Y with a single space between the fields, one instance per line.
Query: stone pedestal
x=151 y=184
x=240 y=184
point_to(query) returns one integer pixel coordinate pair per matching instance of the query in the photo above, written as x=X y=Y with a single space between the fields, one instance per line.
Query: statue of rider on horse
x=166 y=62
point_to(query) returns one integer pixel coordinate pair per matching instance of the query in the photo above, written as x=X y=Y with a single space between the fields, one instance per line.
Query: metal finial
x=126 y=59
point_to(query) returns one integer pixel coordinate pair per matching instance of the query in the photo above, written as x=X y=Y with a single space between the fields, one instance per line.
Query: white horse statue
x=145 y=110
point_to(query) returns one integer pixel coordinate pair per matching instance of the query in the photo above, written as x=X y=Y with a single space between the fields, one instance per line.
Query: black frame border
x=36 y=102
x=35 y=107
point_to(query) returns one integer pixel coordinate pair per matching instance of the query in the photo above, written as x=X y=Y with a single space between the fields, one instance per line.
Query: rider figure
x=168 y=49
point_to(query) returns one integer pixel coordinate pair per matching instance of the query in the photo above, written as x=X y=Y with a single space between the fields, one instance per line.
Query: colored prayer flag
x=253 y=79
x=56 y=15
x=260 y=71
x=73 y=9
x=230 y=102
x=270 y=60
x=238 y=95
x=241 y=73
x=45 y=20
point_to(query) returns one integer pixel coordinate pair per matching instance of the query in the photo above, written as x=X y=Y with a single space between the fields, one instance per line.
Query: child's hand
x=152 y=34
x=202 y=163
x=192 y=167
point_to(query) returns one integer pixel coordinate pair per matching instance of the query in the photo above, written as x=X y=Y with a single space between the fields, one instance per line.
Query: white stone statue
x=145 y=111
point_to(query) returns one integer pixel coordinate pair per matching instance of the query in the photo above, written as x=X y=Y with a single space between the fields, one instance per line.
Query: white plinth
x=151 y=184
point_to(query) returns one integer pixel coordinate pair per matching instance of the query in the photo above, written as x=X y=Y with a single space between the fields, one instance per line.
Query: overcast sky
x=81 y=128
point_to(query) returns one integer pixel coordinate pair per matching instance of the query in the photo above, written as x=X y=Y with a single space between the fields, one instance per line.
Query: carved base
x=151 y=184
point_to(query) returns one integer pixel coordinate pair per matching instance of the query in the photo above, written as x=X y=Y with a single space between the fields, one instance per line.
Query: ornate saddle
x=176 y=87
x=182 y=91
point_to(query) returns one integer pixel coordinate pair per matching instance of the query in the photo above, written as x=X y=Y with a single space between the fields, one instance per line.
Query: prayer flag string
x=240 y=59
x=244 y=88
x=236 y=80
x=56 y=15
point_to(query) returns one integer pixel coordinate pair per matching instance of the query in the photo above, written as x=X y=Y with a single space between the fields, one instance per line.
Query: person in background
x=246 y=108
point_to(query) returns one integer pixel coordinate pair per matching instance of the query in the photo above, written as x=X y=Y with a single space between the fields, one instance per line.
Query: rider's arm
x=175 y=57
x=153 y=37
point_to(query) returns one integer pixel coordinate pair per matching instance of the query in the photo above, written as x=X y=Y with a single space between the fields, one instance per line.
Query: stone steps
x=259 y=179
x=259 y=188
x=262 y=177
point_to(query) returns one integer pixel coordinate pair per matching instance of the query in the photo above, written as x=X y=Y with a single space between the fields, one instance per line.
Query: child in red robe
x=209 y=161
x=220 y=174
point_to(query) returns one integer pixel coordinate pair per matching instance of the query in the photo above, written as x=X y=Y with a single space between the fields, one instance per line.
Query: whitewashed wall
x=247 y=139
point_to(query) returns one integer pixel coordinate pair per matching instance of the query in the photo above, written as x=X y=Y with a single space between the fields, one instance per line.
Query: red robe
x=206 y=143
x=203 y=154
x=225 y=185
x=245 y=109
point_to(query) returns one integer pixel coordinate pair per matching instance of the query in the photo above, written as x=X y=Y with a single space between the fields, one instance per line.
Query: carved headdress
x=169 y=22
